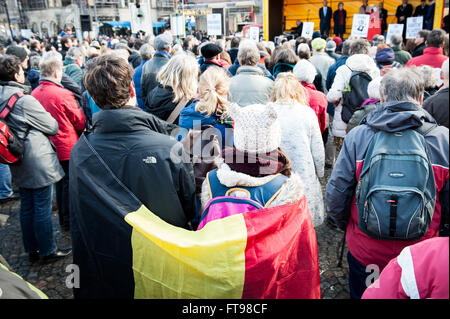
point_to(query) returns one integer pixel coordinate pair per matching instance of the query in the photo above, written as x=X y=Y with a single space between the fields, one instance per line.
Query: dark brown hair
x=107 y=79
x=9 y=66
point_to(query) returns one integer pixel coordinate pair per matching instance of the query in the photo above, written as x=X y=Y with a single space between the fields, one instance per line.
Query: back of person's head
x=436 y=38
x=403 y=84
x=162 y=42
x=286 y=56
x=66 y=42
x=181 y=74
x=235 y=42
x=445 y=70
x=380 y=40
x=261 y=47
x=221 y=43
x=34 y=62
x=304 y=51
x=75 y=53
x=92 y=52
x=146 y=51
x=213 y=88
x=287 y=88
x=346 y=47
x=382 y=46
x=430 y=76
x=10 y=65
x=119 y=53
x=51 y=62
x=331 y=46
x=305 y=71
x=138 y=44
x=424 y=34
x=360 y=46
x=35 y=45
x=396 y=39
x=248 y=53
x=108 y=78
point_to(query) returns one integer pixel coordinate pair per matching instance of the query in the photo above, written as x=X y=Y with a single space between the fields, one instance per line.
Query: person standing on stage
x=404 y=11
x=339 y=17
x=325 y=14
x=365 y=8
x=383 y=14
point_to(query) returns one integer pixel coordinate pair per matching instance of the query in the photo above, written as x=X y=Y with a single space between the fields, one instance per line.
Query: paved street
x=51 y=278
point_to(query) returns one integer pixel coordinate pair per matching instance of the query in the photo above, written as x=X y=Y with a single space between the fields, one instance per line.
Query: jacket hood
x=361 y=62
x=385 y=56
x=128 y=119
x=397 y=116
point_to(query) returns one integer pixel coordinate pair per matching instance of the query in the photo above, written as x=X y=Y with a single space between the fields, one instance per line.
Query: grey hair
x=303 y=48
x=360 y=46
x=346 y=47
x=51 y=61
x=404 y=84
x=162 y=42
x=76 y=53
x=396 y=39
x=305 y=71
x=146 y=51
x=248 y=53
x=373 y=89
x=120 y=53
x=34 y=62
x=430 y=76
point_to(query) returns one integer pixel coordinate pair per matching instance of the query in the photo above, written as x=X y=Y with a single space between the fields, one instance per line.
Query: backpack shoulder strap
x=177 y=110
x=426 y=128
x=10 y=105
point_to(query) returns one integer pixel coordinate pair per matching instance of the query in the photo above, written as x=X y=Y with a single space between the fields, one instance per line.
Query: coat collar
x=433 y=50
x=126 y=119
x=252 y=70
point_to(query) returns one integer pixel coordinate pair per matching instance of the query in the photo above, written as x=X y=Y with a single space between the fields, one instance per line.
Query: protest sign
x=308 y=29
x=413 y=26
x=214 y=24
x=393 y=29
x=360 y=26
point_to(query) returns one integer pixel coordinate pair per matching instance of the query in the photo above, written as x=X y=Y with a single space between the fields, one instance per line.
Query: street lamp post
x=4 y=4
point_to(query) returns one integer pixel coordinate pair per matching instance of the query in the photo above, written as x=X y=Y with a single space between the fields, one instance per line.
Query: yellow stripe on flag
x=171 y=262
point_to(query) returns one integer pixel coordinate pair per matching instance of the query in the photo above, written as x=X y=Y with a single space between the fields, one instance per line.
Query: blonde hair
x=287 y=88
x=181 y=74
x=213 y=88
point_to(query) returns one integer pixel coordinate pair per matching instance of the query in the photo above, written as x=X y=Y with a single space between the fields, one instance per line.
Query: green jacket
x=401 y=56
x=72 y=69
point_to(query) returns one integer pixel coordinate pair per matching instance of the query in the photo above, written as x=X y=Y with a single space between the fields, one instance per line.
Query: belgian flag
x=123 y=250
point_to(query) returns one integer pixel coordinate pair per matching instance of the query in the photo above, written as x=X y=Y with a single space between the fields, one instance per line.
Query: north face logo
x=149 y=160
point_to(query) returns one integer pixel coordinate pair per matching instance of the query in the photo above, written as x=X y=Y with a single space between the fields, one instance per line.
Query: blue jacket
x=137 y=84
x=188 y=115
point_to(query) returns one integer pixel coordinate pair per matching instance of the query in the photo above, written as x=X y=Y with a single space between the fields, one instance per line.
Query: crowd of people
x=277 y=115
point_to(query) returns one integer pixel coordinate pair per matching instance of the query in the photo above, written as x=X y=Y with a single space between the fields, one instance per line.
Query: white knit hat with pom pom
x=256 y=128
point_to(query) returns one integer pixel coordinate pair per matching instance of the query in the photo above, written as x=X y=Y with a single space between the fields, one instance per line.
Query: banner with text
x=413 y=26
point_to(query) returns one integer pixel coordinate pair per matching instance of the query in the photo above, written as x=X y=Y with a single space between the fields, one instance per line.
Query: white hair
x=445 y=70
x=373 y=89
x=120 y=53
x=51 y=61
x=248 y=53
x=305 y=71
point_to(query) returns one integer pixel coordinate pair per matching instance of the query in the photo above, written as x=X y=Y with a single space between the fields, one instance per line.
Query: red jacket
x=318 y=102
x=432 y=56
x=61 y=104
x=419 y=272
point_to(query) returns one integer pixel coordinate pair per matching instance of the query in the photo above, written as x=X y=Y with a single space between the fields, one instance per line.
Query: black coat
x=418 y=50
x=149 y=72
x=336 y=18
x=437 y=106
x=325 y=21
x=406 y=12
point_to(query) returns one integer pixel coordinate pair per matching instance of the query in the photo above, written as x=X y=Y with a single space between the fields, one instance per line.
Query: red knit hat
x=337 y=40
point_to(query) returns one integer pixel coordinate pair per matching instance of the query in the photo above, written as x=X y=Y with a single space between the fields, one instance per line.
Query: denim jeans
x=36 y=220
x=5 y=182
x=357 y=276
x=62 y=196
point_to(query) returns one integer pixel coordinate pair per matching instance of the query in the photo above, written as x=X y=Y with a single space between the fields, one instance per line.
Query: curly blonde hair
x=213 y=88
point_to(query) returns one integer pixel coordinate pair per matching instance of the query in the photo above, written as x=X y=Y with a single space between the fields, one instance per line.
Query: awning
x=160 y=24
x=119 y=24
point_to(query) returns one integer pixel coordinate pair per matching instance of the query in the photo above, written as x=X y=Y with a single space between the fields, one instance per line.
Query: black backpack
x=355 y=94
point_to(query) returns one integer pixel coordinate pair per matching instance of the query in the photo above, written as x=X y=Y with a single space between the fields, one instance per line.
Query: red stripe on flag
x=281 y=259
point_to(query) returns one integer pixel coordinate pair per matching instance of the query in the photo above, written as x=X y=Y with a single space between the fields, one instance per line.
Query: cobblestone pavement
x=51 y=278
